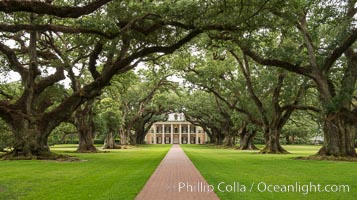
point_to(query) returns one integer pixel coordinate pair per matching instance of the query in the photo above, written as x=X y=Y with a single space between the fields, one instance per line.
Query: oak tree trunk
x=30 y=142
x=272 y=144
x=247 y=140
x=220 y=138
x=132 y=139
x=85 y=127
x=123 y=137
x=109 y=142
x=86 y=141
x=339 y=135
x=228 y=140
x=213 y=139
x=139 y=138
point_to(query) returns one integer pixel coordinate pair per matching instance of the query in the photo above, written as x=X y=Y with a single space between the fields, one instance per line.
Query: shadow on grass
x=327 y=158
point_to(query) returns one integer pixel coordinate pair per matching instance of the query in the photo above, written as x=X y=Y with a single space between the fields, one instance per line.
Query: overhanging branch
x=339 y=50
x=12 y=58
x=54 y=28
x=300 y=107
x=38 y=7
x=277 y=63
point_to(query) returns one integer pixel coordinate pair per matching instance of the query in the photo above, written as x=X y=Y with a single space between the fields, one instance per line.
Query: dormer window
x=175 y=116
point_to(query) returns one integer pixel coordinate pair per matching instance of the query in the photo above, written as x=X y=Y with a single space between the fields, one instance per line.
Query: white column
x=180 y=141
x=196 y=134
x=162 y=134
x=188 y=134
x=172 y=134
x=154 y=133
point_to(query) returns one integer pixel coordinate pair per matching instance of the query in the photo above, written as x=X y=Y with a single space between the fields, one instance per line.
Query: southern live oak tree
x=108 y=120
x=213 y=115
x=138 y=106
x=243 y=87
x=57 y=36
x=39 y=36
x=133 y=93
x=286 y=96
x=200 y=109
x=316 y=40
x=44 y=40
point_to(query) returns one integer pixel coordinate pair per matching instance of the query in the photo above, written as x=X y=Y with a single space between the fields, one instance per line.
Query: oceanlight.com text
x=237 y=187
x=302 y=188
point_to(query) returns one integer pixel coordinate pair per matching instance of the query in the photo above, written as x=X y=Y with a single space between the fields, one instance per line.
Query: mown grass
x=119 y=174
x=250 y=168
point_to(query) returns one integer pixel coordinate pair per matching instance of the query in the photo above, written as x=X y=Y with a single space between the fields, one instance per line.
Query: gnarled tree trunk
x=109 y=142
x=220 y=138
x=228 y=140
x=140 y=137
x=272 y=144
x=85 y=127
x=86 y=141
x=340 y=132
x=246 y=141
x=123 y=137
x=30 y=142
x=340 y=123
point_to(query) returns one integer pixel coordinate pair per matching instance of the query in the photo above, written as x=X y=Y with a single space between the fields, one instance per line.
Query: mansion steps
x=176 y=130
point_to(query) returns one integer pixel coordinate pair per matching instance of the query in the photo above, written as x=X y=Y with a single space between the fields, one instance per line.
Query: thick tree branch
x=33 y=66
x=70 y=104
x=300 y=107
x=277 y=63
x=123 y=65
x=5 y=112
x=54 y=28
x=50 y=80
x=14 y=62
x=93 y=60
x=301 y=25
x=246 y=72
x=276 y=93
x=348 y=82
x=10 y=6
x=339 y=50
x=235 y=107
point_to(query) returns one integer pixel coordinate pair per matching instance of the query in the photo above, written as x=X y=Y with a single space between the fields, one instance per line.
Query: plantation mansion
x=176 y=130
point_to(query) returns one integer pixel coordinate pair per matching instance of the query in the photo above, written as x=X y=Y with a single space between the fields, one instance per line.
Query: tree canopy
x=251 y=63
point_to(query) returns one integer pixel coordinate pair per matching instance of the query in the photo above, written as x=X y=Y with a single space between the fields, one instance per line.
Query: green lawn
x=119 y=174
x=250 y=169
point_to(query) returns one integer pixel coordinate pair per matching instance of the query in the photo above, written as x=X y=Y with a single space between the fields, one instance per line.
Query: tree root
x=268 y=150
x=44 y=155
x=251 y=148
x=117 y=147
x=329 y=158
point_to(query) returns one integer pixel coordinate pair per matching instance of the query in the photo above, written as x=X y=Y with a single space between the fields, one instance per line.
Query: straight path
x=176 y=178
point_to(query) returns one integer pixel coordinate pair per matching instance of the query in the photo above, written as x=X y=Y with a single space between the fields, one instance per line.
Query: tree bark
x=220 y=138
x=273 y=145
x=30 y=142
x=339 y=122
x=139 y=137
x=85 y=127
x=228 y=140
x=213 y=139
x=86 y=141
x=247 y=140
x=123 y=137
x=109 y=142
x=339 y=132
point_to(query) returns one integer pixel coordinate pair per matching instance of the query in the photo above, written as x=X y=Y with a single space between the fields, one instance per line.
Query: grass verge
x=118 y=174
x=249 y=175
